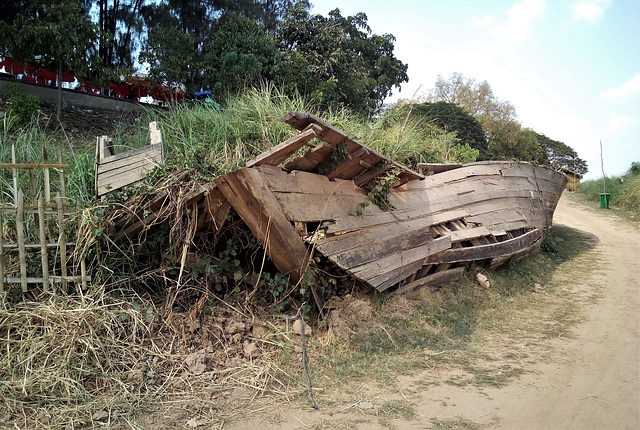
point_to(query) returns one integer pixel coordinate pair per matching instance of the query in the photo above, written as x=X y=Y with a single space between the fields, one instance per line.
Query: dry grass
x=69 y=362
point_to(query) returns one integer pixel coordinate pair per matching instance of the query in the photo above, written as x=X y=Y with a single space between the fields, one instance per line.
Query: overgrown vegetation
x=112 y=357
x=624 y=190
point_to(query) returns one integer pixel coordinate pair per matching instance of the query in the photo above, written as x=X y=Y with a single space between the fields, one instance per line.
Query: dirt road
x=588 y=379
x=596 y=385
x=593 y=382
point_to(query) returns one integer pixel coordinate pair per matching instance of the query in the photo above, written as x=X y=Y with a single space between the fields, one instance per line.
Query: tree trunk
x=59 y=82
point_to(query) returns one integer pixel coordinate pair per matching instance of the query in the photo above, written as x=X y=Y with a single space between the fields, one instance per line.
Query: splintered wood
x=480 y=213
x=459 y=214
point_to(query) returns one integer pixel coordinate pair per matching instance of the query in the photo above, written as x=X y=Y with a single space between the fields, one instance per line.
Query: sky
x=571 y=68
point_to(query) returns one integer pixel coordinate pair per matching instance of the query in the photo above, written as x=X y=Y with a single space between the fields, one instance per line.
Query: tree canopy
x=454 y=118
x=506 y=137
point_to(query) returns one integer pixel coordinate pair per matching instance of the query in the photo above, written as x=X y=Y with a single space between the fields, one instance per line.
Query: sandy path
x=589 y=380
x=593 y=383
x=597 y=384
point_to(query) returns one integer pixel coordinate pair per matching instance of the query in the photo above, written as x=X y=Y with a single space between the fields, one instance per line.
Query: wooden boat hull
x=480 y=213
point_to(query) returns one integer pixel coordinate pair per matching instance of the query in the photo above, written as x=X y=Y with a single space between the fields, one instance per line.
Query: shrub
x=21 y=106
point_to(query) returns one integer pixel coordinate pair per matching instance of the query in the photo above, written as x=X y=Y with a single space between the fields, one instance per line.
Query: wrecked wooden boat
x=388 y=226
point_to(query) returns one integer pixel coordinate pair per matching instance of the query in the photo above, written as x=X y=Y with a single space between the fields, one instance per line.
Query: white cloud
x=589 y=10
x=626 y=89
x=518 y=23
x=619 y=122
x=485 y=21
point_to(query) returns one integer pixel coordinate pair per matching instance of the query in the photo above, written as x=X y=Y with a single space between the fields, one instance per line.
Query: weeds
x=624 y=190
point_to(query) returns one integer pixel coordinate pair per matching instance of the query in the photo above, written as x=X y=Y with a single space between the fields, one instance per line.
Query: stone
x=251 y=350
x=483 y=281
x=297 y=328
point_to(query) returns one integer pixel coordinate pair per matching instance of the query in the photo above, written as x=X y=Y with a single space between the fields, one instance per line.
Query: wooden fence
x=37 y=223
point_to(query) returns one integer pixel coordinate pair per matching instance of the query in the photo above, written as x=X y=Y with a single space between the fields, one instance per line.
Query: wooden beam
x=433 y=279
x=350 y=167
x=279 y=153
x=249 y=195
x=482 y=252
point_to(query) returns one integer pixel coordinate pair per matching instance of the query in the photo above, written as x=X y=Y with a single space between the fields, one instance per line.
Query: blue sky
x=570 y=67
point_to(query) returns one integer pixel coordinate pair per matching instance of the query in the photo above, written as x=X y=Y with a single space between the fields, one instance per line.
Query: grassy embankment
x=624 y=190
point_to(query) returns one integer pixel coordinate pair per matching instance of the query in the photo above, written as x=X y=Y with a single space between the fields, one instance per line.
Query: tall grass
x=624 y=190
x=216 y=140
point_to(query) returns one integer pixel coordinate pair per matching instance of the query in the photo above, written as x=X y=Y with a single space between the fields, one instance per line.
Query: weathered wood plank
x=311 y=159
x=386 y=280
x=376 y=249
x=155 y=135
x=434 y=168
x=385 y=219
x=217 y=207
x=468 y=234
x=375 y=268
x=334 y=136
x=149 y=154
x=350 y=167
x=431 y=280
x=486 y=251
x=280 y=181
x=249 y=195
x=279 y=153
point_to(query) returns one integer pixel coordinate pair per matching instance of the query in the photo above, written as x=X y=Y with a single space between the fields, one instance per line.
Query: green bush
x=21 y=106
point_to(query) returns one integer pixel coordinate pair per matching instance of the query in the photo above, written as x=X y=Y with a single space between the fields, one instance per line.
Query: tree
x=453 y=118
x=477 y=98
x=54 y=34
x=346 y=63
x=121 y=27
x=562 y=155
x=169 y=53
x=239 y=54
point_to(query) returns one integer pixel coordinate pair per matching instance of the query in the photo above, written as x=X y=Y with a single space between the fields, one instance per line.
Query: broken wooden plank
x=350 y=167
x=434 y=168
x=217 y=207
x=375 y=268
x=279 y=153
x=486 y=251
x=431 y=280
x=249 y=195
x=387 y=280
x=333 y=136
x=376 y=249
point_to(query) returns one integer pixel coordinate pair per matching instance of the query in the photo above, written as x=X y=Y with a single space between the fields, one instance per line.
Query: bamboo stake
x=47 y=183
x=43 y=244
x=83 y=263
x=15 y=175
x=63 y=245
x=63 y=189
x=21 y=250
x=1 y=255
x=32 y=180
